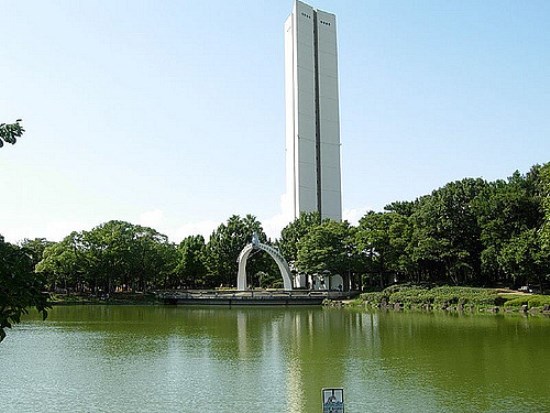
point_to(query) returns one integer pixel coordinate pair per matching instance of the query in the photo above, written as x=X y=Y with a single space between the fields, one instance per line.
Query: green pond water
x=206 y=359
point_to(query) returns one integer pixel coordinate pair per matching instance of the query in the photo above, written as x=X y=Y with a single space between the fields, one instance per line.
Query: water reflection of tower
x=270 y=337
x=321 y=345
x=297 y=351
x=295 y=323
x=242 y=338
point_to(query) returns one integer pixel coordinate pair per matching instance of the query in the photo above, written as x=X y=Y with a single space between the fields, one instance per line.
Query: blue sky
x=171 y=114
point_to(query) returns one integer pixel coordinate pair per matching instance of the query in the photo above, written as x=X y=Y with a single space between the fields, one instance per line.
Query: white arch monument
x=276 y=255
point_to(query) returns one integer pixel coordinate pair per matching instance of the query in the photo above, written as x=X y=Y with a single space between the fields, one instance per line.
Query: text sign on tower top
x=333 y=400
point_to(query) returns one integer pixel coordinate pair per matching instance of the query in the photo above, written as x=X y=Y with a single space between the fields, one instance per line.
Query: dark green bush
x=531 y=300
x=408 y=295
x=465 y=295
x=404 y=287
x=373 y=298
x=538 y=301
x=411 y=296
x=516 y=302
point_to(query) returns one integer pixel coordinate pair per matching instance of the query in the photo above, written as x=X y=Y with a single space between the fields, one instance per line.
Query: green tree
x=190 y=269
x=446 y=236
x=327 y=248
x=382 y=238
x=62 y=263
x=130 y=257
x=35 y=248
x=506 y=210
x=404 y=208
x=525 y=260
x=225 y=245
x=294 y=232
x=545 y=196
x=116 y=255
x=20 y=287
x=500 y=210
x=9 y=132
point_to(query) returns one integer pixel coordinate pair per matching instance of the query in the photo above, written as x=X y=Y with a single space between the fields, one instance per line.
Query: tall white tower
x=312 y=112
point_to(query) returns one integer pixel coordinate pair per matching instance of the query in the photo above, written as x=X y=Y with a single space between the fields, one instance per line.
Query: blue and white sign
x=333 y=400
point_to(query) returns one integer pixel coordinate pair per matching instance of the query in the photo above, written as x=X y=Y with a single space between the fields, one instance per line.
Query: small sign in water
x=333 y=400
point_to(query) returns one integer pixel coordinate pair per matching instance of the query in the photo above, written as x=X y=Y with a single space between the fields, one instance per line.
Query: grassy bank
x=455 y=298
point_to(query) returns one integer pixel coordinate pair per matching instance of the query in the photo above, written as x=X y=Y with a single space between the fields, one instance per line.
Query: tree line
x=470 y=232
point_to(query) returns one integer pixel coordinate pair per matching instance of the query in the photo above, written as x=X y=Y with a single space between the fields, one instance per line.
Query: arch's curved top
x=276 y=255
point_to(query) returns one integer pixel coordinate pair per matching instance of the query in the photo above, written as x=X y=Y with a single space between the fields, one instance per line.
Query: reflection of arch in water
x=276 y=255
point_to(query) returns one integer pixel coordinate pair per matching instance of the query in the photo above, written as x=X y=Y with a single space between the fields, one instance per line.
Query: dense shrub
x=373 y=298
x=530 y=300
x=516 y=302
x=539 y=301
x=412 y=296
x=466 y=295
x=420 y=295
x=404 y=287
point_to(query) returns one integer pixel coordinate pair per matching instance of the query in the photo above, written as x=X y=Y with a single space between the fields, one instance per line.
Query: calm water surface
x=168 y=359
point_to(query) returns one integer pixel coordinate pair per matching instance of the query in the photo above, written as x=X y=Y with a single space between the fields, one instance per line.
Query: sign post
x=333 y=400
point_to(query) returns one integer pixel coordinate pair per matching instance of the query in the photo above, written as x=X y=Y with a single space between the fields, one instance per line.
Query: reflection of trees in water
x=483 y=359
x=384 y=361
x=319 y=345
x=299 y=350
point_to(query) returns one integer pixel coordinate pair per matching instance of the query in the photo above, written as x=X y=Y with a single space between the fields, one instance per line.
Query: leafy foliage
x=538 y=301
x=469 y=233
x=10 y=132
x=35 y=248
x=327 y=247
x=517 y=302
x=421 y=295
x=225 y=245
x=382 y=239
x=190 y=269
x=114 y=255
x=532 y=301
x=294 y=232
x=20 y=287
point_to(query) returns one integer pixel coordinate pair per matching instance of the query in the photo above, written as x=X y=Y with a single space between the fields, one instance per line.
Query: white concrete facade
x=312 y=112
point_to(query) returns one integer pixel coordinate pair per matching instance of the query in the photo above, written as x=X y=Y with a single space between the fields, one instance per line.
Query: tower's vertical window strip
x=295 y=143
x=317 y=111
